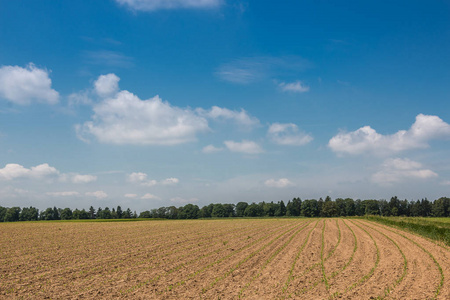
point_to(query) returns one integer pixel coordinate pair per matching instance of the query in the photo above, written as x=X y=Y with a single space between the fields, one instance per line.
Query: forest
x=296 y=207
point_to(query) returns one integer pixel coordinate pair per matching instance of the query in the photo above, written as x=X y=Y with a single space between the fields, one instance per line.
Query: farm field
x=220 y=259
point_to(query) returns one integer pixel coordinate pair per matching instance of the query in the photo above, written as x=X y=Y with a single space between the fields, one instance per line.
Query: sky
x=150 y=103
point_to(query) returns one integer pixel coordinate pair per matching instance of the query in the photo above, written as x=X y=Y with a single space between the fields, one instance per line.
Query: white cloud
x=245 y=146
x=211 y=149
x=107 y=85
x=150 y=196
x=366 y=139
x=63 y=194
x=280 y=183
x=40 y=172
x=219 y=113
x=78 y=178
x=142 y=179
x=130 y=195
x=288 y=134
x=253 y=69
x=170 y=181
x=97 y=194
x=137 y=177
x=180 y=200
x=14 y=171
x=125 y=119
x=25 y=85
x=400 y=169
x=295 y=87
x=445 y=182
x=152 y=5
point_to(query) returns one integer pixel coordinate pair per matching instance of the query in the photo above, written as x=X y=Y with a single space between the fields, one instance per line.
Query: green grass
x=437 y=229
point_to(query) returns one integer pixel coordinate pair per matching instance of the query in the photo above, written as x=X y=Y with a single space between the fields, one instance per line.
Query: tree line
x=13 y=214
x=296 y=207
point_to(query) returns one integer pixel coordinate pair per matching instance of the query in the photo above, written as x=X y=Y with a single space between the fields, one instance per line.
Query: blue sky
x=147 y=103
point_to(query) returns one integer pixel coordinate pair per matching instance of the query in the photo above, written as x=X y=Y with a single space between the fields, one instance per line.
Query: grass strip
x=430 y=229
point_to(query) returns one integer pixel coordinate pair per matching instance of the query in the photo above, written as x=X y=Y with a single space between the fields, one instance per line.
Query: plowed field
x=220 y=259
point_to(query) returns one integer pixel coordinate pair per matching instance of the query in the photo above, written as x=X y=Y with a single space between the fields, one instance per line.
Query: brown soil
x=220 y=259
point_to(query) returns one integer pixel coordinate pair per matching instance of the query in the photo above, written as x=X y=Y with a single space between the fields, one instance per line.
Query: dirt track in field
x=220 y=259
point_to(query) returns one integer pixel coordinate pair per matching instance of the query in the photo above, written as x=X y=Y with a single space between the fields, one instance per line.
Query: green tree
x=2 y=213
x=440 y=207
x=91 y=212
x=394 y=206
x=76 y=214
x=349 y=207
x=66 y=214
x=372 y=207
x=229 y=210
x=84 y=215
x=105 y=213
x=206 y=211
x=320 y=203
x=385 y=209
x=281 y=209
x=189 y=211
x=119 y=212
x=145 y=214
x=172 y=212
x=240 y=208
x=253 y=210
x=218 y=211
x=269 y=209
x=329 y=209
x=12 y=214
x=310 y=208
x=29 y=214
x=360 y=207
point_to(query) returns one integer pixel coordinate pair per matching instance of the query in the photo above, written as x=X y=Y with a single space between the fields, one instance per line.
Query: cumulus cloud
x=366 y=139
x=288 y=134
x=142 y=179
x=211 y=149
x=97 y=194
x=294 y=87
x=152 y=5
x=150 y=196
x=399 y=169
x=240 y=117
x=107 y=85
x=25 y=85
x=63 y=194
x=42 y=171
x=170 y=181
x=126 y=119
x=280 y=183
x=14 y=171
x=248 y=147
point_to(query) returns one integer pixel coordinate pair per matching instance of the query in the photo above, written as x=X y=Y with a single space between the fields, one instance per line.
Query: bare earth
x=220 y=259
